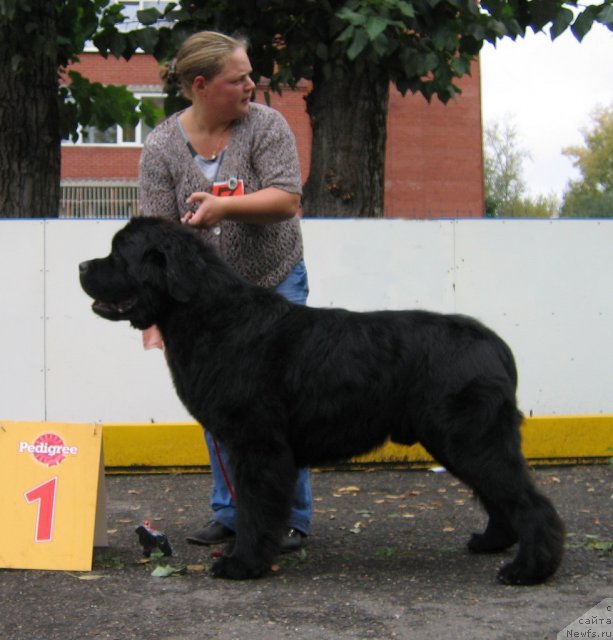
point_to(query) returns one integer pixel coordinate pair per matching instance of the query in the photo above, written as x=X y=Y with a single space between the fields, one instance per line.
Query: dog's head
x=153 y=263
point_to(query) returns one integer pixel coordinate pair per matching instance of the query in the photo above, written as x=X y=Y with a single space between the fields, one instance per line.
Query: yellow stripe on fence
x=550 y=439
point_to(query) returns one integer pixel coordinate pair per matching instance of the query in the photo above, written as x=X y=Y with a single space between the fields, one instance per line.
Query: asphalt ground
x=386 y=558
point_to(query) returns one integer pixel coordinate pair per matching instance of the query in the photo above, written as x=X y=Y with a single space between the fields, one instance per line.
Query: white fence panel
x=22 y=320
x=380 y=264
x=547 y=287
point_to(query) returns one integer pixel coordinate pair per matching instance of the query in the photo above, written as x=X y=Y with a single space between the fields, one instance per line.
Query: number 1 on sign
x=45 y=494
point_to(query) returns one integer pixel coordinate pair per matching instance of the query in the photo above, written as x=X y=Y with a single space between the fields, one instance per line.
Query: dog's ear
x=169 y=267
x=182 y=272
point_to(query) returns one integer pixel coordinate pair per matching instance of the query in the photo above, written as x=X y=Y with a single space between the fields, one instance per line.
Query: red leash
x=223 y=470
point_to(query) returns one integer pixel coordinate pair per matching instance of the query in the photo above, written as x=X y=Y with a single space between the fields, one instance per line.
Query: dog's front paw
x=231 y=568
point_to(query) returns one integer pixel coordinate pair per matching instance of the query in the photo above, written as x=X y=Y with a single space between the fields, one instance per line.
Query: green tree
x=591 y=195
x=540 y=207
x=350 y=49
x=503 y=169
x=38 y=39
x=505 y=187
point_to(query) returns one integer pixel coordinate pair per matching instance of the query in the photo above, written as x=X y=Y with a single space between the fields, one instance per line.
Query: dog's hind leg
x=484 y=452
x=517 y=512
x=265 y=484
x=541 y=539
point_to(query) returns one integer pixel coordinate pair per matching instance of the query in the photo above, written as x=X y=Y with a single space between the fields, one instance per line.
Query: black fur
x=283 y=386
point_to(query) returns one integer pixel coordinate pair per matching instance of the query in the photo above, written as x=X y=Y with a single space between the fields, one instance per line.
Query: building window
x=126 y=136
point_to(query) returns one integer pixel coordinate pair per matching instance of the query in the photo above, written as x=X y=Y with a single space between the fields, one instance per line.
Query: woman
x=225 y=145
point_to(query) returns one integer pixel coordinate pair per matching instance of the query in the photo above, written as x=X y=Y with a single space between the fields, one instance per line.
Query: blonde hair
x=202 y=54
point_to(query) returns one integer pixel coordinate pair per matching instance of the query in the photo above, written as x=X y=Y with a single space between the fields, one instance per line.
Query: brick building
x=434 y=161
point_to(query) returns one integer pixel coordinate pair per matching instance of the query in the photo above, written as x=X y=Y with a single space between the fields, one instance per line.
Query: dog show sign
x=53 y=499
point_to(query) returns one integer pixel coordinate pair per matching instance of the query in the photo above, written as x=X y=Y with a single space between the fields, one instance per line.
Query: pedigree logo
x=48 y=449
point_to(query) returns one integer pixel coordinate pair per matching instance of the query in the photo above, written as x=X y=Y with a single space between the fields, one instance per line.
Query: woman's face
x=229 y=92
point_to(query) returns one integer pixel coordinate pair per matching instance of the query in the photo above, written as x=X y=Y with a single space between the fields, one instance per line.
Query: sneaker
x=212 y=533
x=291 y=541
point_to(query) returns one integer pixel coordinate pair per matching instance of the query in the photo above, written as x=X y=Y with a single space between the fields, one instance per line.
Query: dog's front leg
x=265 y=481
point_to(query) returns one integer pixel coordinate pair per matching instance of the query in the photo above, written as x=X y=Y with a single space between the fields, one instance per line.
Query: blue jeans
x=296 y=289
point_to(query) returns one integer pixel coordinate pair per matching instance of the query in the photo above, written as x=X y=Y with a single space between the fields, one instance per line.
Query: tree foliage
x=505 y=187
x=38 y=39
x=592 y=194
x=75 y=22
x=503 y=170
x=420 y=45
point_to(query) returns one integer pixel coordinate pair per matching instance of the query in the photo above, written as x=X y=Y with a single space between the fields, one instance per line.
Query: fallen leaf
x=357 y=527
x=350 y=489
x=166 y=570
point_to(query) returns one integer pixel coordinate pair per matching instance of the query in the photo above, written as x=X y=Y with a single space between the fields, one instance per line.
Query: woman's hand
x=210 y=211
x=267 y=206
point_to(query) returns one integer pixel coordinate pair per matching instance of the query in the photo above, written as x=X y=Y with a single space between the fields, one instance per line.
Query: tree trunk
x=29 y=117
x=335 y=187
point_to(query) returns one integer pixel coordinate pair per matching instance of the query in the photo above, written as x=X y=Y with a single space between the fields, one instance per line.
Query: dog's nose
x=83 y=267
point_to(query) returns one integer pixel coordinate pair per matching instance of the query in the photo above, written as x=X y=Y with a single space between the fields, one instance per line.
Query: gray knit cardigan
x=262 y=152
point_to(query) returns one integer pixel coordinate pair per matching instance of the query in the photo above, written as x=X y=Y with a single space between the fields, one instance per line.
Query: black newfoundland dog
x=284 y=386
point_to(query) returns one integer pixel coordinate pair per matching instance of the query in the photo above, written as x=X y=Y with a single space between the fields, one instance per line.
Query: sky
x=548 y=90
